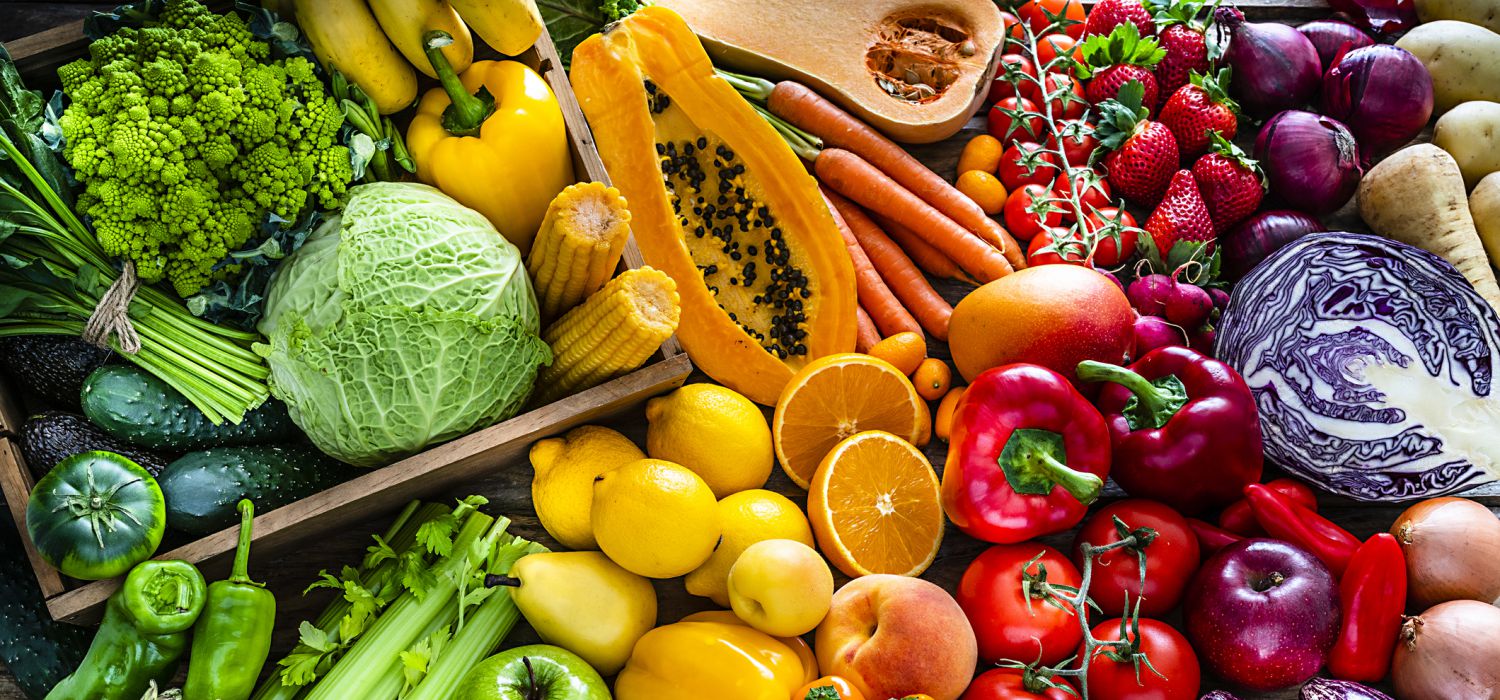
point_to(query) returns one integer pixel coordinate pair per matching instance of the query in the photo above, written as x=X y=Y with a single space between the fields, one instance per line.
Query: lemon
x=715 y=432
x=563 y=487
x=655 y=518
x=745 y=518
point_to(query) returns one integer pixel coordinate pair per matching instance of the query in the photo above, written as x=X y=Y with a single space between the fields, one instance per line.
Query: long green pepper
x=233 y=636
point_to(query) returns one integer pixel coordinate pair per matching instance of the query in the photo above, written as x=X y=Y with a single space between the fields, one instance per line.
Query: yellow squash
x=508 y=26
x=719 y=202
x=506 y=156
x=406 y=21
x=697 y=660
x=346 y=37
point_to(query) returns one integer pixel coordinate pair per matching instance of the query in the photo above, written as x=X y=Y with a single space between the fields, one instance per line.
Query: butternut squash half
x=914 y=69
x=720 y=203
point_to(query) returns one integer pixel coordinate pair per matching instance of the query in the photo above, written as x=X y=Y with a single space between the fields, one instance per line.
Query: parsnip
x=1484 y=206
x=1417 y=196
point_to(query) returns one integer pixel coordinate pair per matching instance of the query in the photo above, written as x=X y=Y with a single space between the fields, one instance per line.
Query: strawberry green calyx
x=1123 y=46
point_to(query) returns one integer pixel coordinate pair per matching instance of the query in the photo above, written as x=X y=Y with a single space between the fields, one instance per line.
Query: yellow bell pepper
x=796 y=644
x=696 y=660
x=493 y=139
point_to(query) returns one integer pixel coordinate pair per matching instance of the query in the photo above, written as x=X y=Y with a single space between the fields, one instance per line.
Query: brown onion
x=1452 y=548
x=1450 y=652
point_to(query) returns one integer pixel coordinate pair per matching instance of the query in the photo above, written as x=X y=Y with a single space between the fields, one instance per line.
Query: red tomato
x=990 y=595
x=1013 y=64
x=1078 y=141
x=1005 y=112
x=1027 y=211
x=1009 y=684
x=1039 y=14
x=1093 y=191
x=1066 y=93
x=1114 y=230
x=1169 y=653
x=1016 y=36
x=1048 y=48
x=1171 y=558
x=1027 y=163
x=1055 y=246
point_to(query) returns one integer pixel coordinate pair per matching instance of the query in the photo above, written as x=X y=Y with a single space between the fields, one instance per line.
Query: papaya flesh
x=720 y=203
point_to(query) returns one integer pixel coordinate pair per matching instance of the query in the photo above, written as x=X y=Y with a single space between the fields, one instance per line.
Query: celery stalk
x=393 y=677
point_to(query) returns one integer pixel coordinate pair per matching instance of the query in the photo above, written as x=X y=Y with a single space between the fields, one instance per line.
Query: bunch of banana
x=377 y=44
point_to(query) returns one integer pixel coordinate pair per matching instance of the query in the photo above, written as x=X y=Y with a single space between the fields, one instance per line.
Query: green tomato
x=96 y=515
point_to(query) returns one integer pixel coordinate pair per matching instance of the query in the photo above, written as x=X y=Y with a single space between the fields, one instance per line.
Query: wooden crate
x=434 y=471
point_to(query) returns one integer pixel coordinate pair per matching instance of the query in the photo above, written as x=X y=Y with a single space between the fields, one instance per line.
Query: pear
x=585 y=603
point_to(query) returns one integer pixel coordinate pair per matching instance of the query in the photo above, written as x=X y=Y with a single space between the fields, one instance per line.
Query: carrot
x=876 y=298
x=898 y=271
x=807 y=110
x=930 y=259
x=868 y=335
x=854 y=177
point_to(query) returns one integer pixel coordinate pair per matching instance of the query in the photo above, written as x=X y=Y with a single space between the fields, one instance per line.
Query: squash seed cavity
x=917 y=58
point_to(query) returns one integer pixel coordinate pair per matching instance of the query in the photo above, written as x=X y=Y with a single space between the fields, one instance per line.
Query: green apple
x=780 y=587
x=536 y=672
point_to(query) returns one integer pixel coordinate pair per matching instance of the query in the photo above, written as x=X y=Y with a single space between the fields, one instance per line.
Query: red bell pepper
x=1283 y=519
x=1240 y=519
x=1183 y=426
x=1027 y=453
x=1372 y=596
x=1211 y=538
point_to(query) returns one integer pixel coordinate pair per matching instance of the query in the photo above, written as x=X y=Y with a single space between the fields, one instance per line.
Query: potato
x=1463 y=58
x=1485 y=13
x=1470 y=133
x=1484 y=205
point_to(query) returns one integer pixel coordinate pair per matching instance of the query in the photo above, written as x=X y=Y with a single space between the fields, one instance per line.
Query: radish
x=1203 y=341
x=1152 y=332
x=1187 y=305
x=1220 y=297
x=1149 y=294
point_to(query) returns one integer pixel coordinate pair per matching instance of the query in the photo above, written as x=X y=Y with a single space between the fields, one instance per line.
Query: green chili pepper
x=144 y=633
x=233 y=637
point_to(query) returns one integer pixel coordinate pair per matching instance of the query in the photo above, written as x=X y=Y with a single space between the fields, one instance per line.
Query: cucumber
x=202 y=488
x=36 y=649
x=135 y=406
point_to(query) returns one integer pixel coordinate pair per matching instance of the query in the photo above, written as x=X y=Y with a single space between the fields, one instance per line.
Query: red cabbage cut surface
x=1372 y=363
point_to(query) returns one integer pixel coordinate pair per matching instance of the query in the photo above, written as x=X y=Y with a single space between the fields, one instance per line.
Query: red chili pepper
x=1283 y=519
x=1210 y=537
x=1372 y=596
x=1239 y=519
x=1183 y=427
x=1027 y=453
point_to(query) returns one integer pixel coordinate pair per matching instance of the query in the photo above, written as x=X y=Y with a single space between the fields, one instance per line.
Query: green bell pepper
x=144 y=634
x=233 y=636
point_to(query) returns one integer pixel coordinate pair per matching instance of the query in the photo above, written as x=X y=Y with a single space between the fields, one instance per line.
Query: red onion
x=1275 y=66
x=1383 y=93
x=1330 y=36
x=1257 y=237
x=1311 y=161
x=1448 y=653
x=1380 y=16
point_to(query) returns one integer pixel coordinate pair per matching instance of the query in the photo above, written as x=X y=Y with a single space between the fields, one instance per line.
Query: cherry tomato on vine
x=1067 y=101
x=1116 y=231
x=1019 y=66
x=1093 y=191
x=1028 y=212
x=1027 y=163
x=1169 y=653
x=1022 y=112
x=1011 y=26
x=1041 y=13
x=1049 y=47
x=991 y=596
x=1078 y=141
x=837 y=683
x=1171 y=558
x=1009 y=684
x=1055 y=246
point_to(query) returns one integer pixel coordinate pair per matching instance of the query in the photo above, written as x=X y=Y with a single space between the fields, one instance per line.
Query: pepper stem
x=1155 y=402
x=241 y=571
x=1084 y=486
x=1032 y=461
x=467 y=112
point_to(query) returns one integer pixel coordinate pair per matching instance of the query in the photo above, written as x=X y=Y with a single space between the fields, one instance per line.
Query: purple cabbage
x=1220 y=695
x=1372 y=364
x=1327 y=689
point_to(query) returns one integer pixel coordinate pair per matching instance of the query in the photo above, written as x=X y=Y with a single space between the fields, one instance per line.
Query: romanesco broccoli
x=186 y=135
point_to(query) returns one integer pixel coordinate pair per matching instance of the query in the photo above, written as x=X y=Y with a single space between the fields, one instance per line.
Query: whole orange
x=1051 y=315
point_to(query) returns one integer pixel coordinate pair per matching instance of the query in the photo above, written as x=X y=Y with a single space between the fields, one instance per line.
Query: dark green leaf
x=570 y=22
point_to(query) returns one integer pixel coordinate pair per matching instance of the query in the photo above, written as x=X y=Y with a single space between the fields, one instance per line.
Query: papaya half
x=720 y=203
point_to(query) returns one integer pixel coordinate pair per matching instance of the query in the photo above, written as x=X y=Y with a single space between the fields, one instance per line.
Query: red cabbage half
x=1372 y=363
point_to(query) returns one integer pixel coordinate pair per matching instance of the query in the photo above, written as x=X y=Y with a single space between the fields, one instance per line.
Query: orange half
x=835 y=397
x=874 y=507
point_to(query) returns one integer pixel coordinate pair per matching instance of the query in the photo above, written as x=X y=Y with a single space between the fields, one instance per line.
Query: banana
x=346 y=37
x=508 y=26
x=406 y=21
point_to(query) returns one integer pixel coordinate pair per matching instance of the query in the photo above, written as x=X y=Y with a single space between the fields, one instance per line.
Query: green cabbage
x=405 y=322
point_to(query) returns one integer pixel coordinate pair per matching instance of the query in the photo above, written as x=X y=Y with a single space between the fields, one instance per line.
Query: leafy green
x=571 y=21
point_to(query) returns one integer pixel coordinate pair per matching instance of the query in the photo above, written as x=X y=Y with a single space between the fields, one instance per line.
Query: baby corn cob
x=578 y=246
x=611 y=333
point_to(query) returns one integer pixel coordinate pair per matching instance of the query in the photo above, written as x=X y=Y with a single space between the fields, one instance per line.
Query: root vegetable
x=1149 y=294
x=1449 y=653
x=1452 y=548
x=1484 y=207
x=1188 y=305
x=1463 y=58
x=1470 y=133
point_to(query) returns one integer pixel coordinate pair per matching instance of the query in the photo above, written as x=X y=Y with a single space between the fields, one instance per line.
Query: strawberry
x=1119 y=58
x=1183 y=38
x=1230 y=182
x=1181 y=216
x=1197 y=108
x=1142 y=153
x=1109 y=14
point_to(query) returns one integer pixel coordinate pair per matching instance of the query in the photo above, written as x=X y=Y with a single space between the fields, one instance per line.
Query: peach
x=893 y=636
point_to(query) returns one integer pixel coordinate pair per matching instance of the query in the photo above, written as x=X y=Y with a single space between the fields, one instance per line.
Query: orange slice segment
x=835 y=397
x=874 y=507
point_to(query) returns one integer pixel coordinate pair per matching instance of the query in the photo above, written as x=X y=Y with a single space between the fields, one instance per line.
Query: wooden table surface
x=508 y=489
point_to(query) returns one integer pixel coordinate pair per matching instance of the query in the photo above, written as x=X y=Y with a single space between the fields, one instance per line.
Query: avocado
x=50 y=437
x=52 y=367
